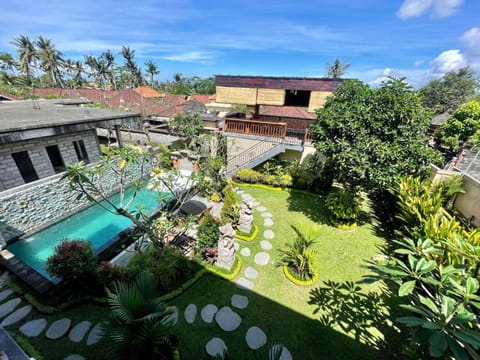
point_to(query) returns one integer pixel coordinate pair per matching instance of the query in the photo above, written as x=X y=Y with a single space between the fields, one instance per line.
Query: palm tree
x=133 y=74
x=152 y=70
x=140 y=322
x=337 y=69
x=26 y=56
x=74 y=70
x=51 y=61
x=108 y=62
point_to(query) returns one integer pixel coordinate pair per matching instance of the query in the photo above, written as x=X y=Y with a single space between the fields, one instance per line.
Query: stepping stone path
x=245 y=251
x=74 y=357
x=33 y=328
x=243 y=283
x=267 y=222
x=95 y=334
x=255 y=338
x=5 y=293
x=227 y=319
x=78 y=331
x=268 y=234
x=284 y=355
x=17 y=315
x=8 y=307
x=256 y=203
x=262 y=258
x=58 y=329
x=190 y=313
x=251 y=273
x=216 y=346
x=266 y=245
x=237 y=246
x=267 y=215
x=239 y=301
x=208 y=312
x=261 y=208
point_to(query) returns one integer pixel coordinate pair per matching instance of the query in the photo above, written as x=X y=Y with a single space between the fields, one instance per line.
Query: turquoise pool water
x=93 y=224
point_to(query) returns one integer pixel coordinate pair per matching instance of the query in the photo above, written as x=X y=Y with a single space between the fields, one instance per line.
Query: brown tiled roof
x=148 y=92
x=201 y=98
x=173 y=100
x=269 y=82
x=286 y=111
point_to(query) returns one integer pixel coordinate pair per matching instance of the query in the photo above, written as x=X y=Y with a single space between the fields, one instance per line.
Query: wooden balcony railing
x=252 y=127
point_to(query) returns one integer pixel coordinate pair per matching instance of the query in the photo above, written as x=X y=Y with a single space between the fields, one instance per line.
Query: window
x=81 y=151
x=25 y=166
x=297 y=97
x=55 y=158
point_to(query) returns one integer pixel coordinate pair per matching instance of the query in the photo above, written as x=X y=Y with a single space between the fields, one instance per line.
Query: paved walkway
x=228 y=318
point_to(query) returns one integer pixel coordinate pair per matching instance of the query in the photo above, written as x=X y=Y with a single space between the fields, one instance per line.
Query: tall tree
x=151 y=70
x=372 y=136
x=132 y=72
x=74 y=70
x=337 y=69
x=26 y=56
x=449 y=92
x=51 y=60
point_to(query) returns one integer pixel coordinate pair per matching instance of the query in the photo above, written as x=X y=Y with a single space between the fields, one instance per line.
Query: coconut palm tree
x=74 y=70
x=51 y=60
x=337 y=69
x=132 y=73
x=26 y=56
x=152 y=70
x=107 y=60
x=140 y=322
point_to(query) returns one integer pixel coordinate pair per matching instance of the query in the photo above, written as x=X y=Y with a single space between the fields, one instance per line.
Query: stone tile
x=8 y=307
x=255 y=338
x=239 y=301
x=262 y=258
x=33 y=328
x=265 y=244
x=236 y=245
x=243 y=283
x=78 y=331
x=208 y=312
x=5 y=293
x=245 y=251
x=256 y=203
x=17 y=315
x=95 y=334
x=268 y=234
x=227 y=319
x=58 y=329
x=261 y=208
x=216 y=347
x=74 y=357
x=267 y=222
x=267 y=215
x=190 y=313
x=251 y=273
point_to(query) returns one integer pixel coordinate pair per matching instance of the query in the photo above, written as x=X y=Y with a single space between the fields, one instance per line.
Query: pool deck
x=25 y=272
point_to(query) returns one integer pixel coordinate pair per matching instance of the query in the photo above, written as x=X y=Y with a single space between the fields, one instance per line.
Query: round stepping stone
x=8 y=307
x=236 y=245
x=261 y=208
x=227 y=319
x=284 y=355
x=239 y=301
x=256 y=203
x=266 y=245
x=251 y=273
x=74 y=357
x=17 y=315
x=58 y=329
x=78 y=331
x=240 y=192
x=5 y=293
x=243 y=283
x=267 y=222
x=33 y=328
x=267 y=215
x=255 y=338
x=95 y=334
x=268 y=234
x=208 y=312
x=262 y=258
x=216 y=347
x=245 y=251
x=190 y=313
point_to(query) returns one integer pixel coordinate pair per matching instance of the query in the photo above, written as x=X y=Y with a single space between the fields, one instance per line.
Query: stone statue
x=226 y=246
x=246 y=214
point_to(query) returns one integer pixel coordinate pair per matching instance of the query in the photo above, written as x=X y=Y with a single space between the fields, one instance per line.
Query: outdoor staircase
x=470 y=164
x=261 y=152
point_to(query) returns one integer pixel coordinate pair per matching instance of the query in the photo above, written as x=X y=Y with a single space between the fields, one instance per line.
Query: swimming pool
x=93 y=224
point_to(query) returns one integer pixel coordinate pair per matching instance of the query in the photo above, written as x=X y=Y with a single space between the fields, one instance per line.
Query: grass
x=281 y=308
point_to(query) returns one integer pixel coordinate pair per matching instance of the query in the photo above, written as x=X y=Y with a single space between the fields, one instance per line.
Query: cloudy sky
x=418 y=39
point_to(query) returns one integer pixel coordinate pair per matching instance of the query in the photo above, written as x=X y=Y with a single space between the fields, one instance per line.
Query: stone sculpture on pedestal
x=226 y=246
x=246 y=215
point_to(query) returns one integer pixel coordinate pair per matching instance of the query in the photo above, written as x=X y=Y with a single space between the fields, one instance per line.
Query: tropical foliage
x=344 y=205
x=337 y=69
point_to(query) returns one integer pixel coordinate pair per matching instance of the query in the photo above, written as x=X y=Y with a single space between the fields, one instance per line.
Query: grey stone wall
x=10 y=175
x=40 y=203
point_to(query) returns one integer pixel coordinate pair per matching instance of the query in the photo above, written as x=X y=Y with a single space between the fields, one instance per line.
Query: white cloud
x=202 y=57
x=436 y=8
x=471 y=40
x=449 y=60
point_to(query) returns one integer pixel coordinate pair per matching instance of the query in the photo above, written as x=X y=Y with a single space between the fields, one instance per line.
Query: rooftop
x=147 y=91
x=271 y=82
x=286 y=111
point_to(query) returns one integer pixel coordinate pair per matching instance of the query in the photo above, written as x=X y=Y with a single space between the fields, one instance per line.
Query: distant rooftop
x=274 y=82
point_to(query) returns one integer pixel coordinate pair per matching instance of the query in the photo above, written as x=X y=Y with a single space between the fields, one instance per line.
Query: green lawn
x=281 y=308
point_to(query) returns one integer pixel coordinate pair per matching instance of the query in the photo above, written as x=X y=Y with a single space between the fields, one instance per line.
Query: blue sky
x=419 y=39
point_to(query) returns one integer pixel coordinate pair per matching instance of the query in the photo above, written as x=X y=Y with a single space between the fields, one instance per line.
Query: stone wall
x=40 y=203
x=10 y=175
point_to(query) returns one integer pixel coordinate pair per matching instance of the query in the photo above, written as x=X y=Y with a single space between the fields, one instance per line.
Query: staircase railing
x=250 y=154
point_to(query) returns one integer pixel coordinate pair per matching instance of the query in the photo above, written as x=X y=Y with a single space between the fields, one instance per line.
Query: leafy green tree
x=151 y=70
x=463 y=125
x=337 y=69
x=27 y=56
x=372 y=136
x=449 y=92
x=344 y=206
x=50 y=60
x=189 y=126
x=140 y=323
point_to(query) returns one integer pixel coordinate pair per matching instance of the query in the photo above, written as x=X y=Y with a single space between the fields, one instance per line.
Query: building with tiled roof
x=148 y=92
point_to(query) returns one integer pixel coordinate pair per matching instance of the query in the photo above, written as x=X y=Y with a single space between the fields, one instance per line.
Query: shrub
x=215 y=198
x=109 y=273
x=208 y=232
x=343 y=204
x=73 y=260
x=231 y=208
x=248 y=175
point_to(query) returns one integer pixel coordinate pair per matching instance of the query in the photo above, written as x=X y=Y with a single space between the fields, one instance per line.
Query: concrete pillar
x=118 y=135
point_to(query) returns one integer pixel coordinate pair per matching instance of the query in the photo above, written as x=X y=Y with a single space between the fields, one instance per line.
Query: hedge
x=225 y=274
x=28 y=348
x=187 y=284
x=247 y=237
x=289 y=276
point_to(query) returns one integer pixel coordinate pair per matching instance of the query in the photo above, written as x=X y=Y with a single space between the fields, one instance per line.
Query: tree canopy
x=337 y=69
x=449 y=92
x=372 y=136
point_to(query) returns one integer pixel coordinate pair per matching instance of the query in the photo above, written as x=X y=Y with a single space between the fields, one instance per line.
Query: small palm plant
x=140 y=322
x=299 y=257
